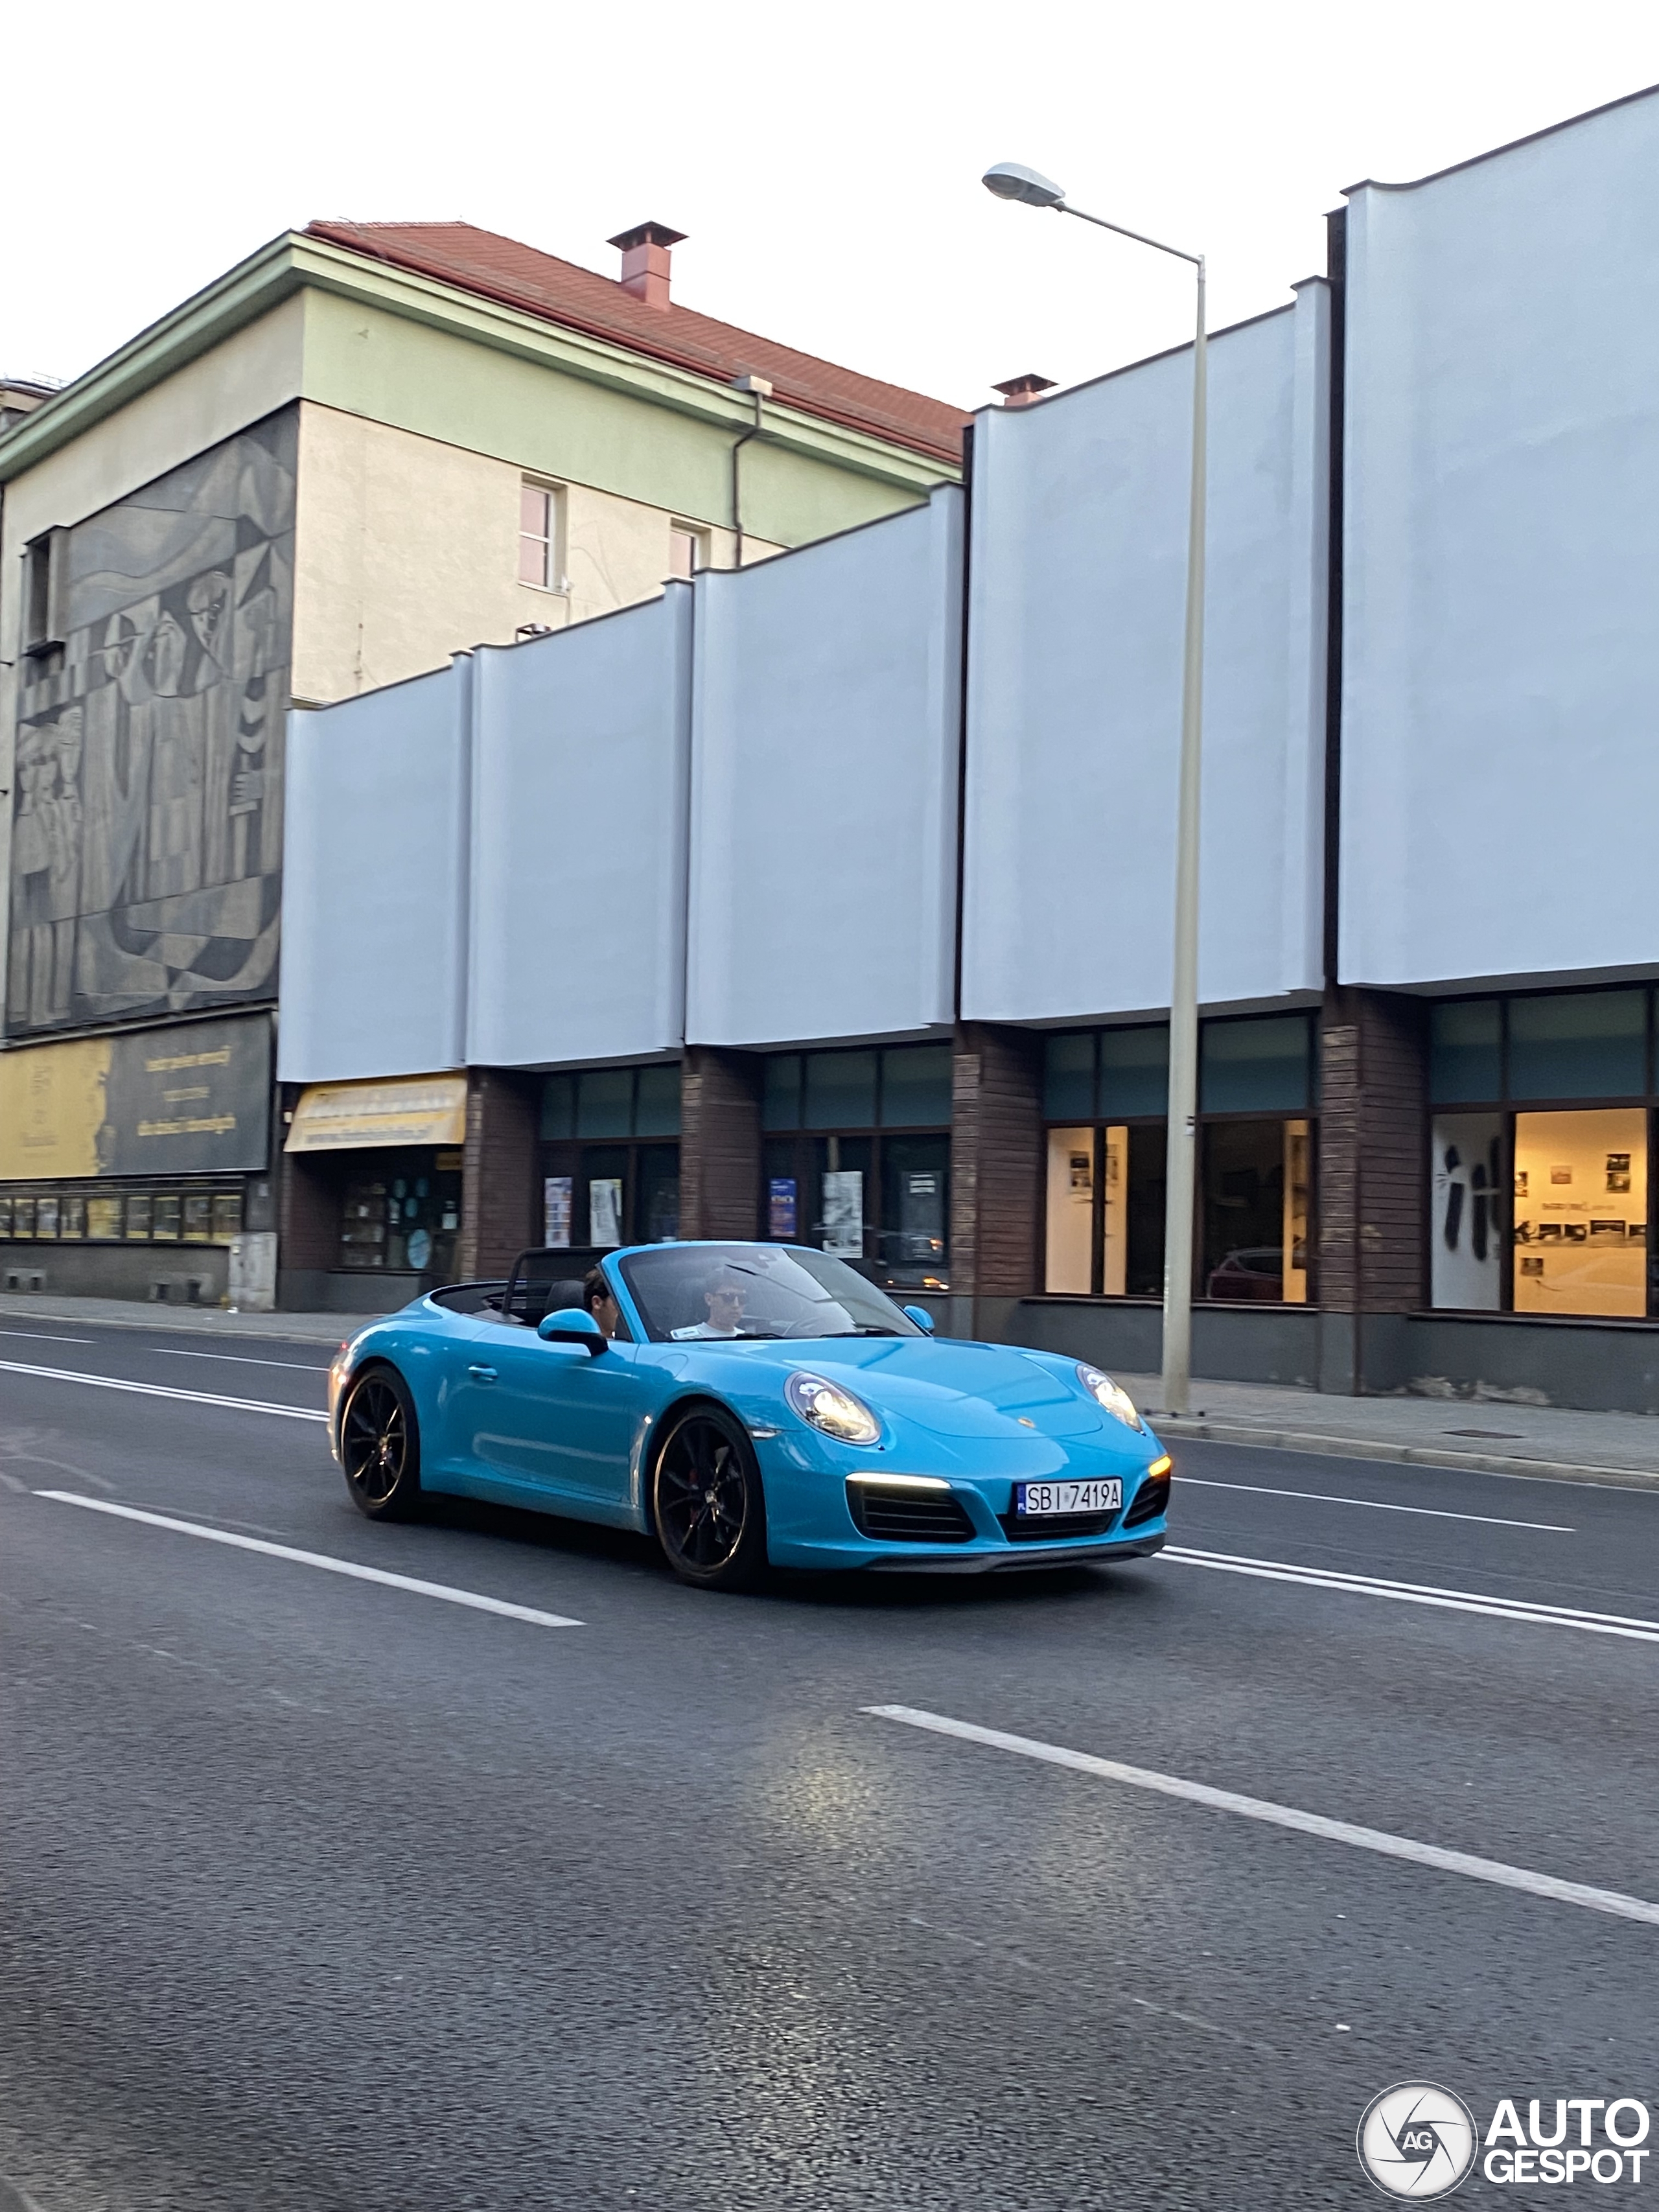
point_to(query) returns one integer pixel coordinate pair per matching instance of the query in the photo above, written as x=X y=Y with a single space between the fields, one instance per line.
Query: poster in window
x=1467 y=1234
x=843 y=1214
x=556 y=1192
x=780 y=1207
x=605 y=1207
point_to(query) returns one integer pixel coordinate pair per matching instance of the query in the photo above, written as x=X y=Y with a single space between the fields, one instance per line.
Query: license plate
x=1036 y=1500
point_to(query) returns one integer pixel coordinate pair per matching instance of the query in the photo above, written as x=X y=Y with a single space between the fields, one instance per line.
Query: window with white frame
x=538 y=536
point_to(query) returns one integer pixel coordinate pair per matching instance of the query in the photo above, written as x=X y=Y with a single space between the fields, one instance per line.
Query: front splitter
x=1019 y=1562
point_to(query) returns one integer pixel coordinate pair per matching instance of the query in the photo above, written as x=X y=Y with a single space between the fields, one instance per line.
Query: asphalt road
x=321 y=1893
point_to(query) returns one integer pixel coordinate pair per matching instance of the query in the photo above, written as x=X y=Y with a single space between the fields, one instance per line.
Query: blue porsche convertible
x=745 y=1403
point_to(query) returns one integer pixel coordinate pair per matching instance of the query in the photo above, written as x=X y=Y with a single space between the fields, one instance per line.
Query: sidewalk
x=19 y=1308
x=1459 y=1433
x=1490 y=1439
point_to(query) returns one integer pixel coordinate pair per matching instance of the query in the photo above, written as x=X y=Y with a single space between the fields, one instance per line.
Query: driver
x=600 y=1301
x=724 y=1298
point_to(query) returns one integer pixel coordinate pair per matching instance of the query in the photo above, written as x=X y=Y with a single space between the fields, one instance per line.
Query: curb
x=1314 y=1441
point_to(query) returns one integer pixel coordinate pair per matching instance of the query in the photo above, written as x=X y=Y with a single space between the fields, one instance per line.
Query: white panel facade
x=823 y=821
x=1077 y=596
x=1500 y=780
x=375 y=884
x=578 y=822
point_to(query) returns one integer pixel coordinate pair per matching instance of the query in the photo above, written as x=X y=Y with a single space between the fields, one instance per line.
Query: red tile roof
x=502 y=269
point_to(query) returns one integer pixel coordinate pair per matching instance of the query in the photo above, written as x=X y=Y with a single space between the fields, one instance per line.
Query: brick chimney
x=1021 y=391
x=645 y=252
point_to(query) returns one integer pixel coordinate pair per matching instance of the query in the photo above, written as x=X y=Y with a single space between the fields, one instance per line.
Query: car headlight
x=1104 y=1392
x=836 y=1413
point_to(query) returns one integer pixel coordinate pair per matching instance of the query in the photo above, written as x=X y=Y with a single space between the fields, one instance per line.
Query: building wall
x=378 y=792
x=516 y=406
x=1077 y=594
x=825 y=736
x=578 y=814
x=408 y=551
x=1500 y=656
x=147 y=786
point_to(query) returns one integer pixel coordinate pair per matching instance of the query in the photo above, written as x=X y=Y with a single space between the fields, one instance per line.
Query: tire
x=380 y=1446
x=706 y=1503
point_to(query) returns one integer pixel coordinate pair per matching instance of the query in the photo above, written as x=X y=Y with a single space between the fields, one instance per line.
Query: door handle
x=481 y=1374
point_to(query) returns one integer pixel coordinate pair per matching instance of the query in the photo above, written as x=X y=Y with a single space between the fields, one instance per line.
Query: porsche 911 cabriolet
x=745 y=1404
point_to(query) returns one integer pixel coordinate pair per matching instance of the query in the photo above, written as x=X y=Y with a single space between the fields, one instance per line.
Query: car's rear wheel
x=380 y=1446
x=707 y=1502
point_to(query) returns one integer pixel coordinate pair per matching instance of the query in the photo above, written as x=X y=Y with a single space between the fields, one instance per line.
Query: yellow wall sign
x=421 y=1109
x=52 y=1107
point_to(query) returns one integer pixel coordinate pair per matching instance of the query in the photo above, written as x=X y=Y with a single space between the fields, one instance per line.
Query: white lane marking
x=1497 y=1608
x=239 y=1360
x=40 y=1336
x=1376 y=1504
x=161 y=1391
x=330 y=1565
x=1285 y=1816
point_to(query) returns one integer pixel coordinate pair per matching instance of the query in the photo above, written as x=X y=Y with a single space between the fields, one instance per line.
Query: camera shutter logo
x=1417 y=2141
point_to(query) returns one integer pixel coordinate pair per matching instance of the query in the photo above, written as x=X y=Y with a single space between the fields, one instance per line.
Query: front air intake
x=895 y=1514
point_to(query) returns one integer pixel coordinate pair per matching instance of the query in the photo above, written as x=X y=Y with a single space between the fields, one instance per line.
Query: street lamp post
x=1009 y=181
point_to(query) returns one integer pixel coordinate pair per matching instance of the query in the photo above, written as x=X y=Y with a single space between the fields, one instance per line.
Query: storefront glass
x=401 y=1211
x=1581 y=1212
x=603 y=1184
x=120 y=1215
x=1534 y=1210
x=850 y=1164
x=1107 y=1092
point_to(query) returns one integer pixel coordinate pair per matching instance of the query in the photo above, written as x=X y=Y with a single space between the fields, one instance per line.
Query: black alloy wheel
x=707 y=1501
x=380 y=1446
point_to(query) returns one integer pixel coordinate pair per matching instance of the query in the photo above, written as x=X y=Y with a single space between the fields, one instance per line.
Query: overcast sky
x=824 y=162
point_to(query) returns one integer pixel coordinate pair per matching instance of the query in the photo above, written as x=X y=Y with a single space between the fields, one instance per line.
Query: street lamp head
x=1011 y=180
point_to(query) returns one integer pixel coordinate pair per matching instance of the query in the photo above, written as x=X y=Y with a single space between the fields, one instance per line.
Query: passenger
x=599 y=1300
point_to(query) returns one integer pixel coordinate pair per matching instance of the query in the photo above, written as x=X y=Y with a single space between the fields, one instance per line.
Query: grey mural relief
x=147 y=802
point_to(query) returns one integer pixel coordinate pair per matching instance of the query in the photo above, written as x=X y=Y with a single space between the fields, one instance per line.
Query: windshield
x=687 y=1291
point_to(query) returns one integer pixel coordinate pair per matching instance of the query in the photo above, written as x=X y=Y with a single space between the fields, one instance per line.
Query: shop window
x=400 y=1212
x=165 y=1222
x=1134 y=1072
x=916 y=1210
x=1070 y=1256
x=22 y=1217
x=1581 y=1212
x=915 y=1086
x=140 y=1207
x=5 y=1217
x=228 y=1216
x=558 y=1108
x=657 y=1106
x=1580 y=1044
x=1466 y=1058
x=1068 y=1078
x=605 y=1101
x=1468 y=1217
x=196 y=1227
x=46 y=1215
x=72 y=1215
x=1255 y=1189
x=781 y=1093
x=105 y=1219
x=840 y=1091
x=1254 y=1066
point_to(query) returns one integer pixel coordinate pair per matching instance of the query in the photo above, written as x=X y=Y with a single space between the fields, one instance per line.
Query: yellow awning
x=417 y=1110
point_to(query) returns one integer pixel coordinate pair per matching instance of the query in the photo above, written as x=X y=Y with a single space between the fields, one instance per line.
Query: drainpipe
x=761 y=391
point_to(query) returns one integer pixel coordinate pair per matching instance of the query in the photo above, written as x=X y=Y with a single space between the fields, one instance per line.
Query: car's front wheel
x=380 y=1446
x=707 y=1502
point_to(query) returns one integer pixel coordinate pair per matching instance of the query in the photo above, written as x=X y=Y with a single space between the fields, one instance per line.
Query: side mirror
x=922 y=1318
x=573 y=1325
